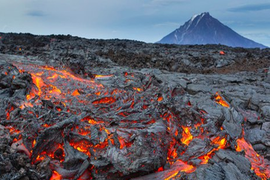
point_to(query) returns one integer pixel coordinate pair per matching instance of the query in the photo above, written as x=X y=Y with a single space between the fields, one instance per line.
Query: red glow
x=76 y=93
x=66 y=92
x=56 y=176
x=38 y=82
x=260 y=165
x=26 y=104
x=34 y=143
x=220 y=100
x=160 y=169
x=84 y=148
x=160 y=98
x=12 y=130
x=9 y=111
x=138 y=89
x=186 y=135
x=122 y=142
x=220 y=143
x=106 y=100
x=102 y=76
x=179 y=166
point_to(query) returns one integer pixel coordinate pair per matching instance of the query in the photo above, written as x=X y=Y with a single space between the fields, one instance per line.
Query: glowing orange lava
x=56 y=176
x=51 y=83
x=138 y=89
x=186 y=135
x=106 y=100
x=222 y=53
x=75 y=93
x=220 y=143
x=67 y=91
x=179 y=166
x=220 y=100
x=260 y=165
x=102 y=76
x=12 y=130
x=160 y=98
x=9 y=111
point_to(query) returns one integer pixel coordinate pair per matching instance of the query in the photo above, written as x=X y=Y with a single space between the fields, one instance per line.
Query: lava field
x=73 y=108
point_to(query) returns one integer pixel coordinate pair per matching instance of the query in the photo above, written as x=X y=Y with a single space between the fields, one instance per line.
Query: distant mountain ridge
x=204 y=29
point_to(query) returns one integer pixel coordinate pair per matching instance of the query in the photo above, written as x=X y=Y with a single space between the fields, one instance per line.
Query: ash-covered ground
x=175 y=112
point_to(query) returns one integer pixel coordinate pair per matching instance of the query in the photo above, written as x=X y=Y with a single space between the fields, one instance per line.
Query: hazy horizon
x=148 y=20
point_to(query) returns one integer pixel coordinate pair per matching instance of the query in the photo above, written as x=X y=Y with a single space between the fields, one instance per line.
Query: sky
x=143 y=20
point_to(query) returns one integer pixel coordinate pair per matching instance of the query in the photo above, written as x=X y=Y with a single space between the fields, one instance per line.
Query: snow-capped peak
x=204 y=29
x=193 y=17
x=205 y=13
x=191 y=20
x=198 y=19
x=201 y=16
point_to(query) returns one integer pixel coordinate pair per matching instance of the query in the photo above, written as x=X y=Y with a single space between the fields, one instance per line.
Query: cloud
x=251 y=7
x=36 y=13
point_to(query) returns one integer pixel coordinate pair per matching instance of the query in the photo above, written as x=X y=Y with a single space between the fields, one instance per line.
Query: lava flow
x=88 y=130
x=260 y=165
x=220 y=100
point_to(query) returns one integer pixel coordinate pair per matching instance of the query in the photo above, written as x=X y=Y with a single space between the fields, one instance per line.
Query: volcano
x=204 y=29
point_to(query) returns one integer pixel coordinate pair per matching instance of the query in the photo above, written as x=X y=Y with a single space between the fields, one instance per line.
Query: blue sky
x=144 y=20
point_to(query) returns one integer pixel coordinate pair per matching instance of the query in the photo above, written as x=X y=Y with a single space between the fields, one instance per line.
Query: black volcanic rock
x=204 y=29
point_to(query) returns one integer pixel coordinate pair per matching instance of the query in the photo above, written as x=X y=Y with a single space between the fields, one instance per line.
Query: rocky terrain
x=159 y=112
x=67 y=50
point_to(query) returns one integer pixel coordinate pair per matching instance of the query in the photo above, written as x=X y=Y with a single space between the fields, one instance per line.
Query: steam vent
x=73 y=108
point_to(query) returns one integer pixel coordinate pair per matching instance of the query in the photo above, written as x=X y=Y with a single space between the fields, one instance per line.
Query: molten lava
x=259 y=165
x=221 y=101
x=179 y=166
x=93 y=135
x=56 y=176
x=220 y=143
x=222 y=53
x=186 y=136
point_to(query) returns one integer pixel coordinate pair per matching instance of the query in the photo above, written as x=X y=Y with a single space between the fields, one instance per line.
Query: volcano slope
x=73 y=108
